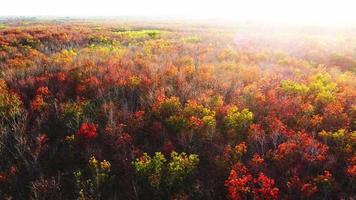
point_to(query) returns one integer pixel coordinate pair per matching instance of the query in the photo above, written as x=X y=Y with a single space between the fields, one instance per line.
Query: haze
x=317 y=12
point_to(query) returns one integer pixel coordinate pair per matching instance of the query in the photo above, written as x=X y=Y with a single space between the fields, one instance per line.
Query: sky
x=320 y=12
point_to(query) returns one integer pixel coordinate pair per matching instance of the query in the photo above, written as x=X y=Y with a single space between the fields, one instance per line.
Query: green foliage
x=94 y=182
x=64 y=57
x=2 y=26
x=104 y=51
x=215 y=101
x=163 y=175
x=180 y=167
x=192 y=39
x=141 y=33
x=69 y=53
x=336 y=136
x=325 y=96
x=323 y=88
x=320 y=87
x=134 y=80
x=177 y=118
x=209 y=121
x=169 y=110
x=99 y=39
x=150 y=169
x=175 y=123
x=75 y=89
x=156 y=46
x=194 y=109
x=238 y=120
x=341 y=138
x=169 y=107
x=293 y=88
x=72 y=114
x=200 y=113
x=10 y=104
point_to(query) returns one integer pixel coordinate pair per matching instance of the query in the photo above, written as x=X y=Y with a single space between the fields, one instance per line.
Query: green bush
x=238 y=120
x=165 y=178
x=10 y=103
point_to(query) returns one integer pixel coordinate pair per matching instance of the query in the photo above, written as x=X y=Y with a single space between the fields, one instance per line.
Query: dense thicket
x=161 y=111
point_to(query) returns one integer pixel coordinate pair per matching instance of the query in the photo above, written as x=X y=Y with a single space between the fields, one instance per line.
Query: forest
x=133 y=109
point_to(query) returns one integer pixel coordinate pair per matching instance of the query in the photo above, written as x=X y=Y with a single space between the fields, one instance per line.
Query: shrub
x=94 y=182
x=73 y=113
x=10 y=104
x=87 y=131
x=166 y=178
x=293 y=88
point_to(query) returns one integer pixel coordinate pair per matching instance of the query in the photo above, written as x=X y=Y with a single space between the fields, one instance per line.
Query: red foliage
x=309 y=189
x=172 y=90
x=12 y=170
x=351 y=169
x=294 y=183
x=87 y=131
x=238 y=182
x=195 y=122
x=41 y=140
x=124 y=138
x=37 y=103
x=240 y=185
x=168 y=147
x=266 y=189
x=42 y=91
x=257 y=160
x=302 y=146
x=2 y=177
x=136 y=121
x=312 y=150
x=334 y=117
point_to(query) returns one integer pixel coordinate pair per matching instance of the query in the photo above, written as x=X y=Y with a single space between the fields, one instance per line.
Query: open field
x=133 y=109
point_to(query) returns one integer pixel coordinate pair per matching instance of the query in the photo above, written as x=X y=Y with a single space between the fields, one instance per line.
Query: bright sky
x=321 y=12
